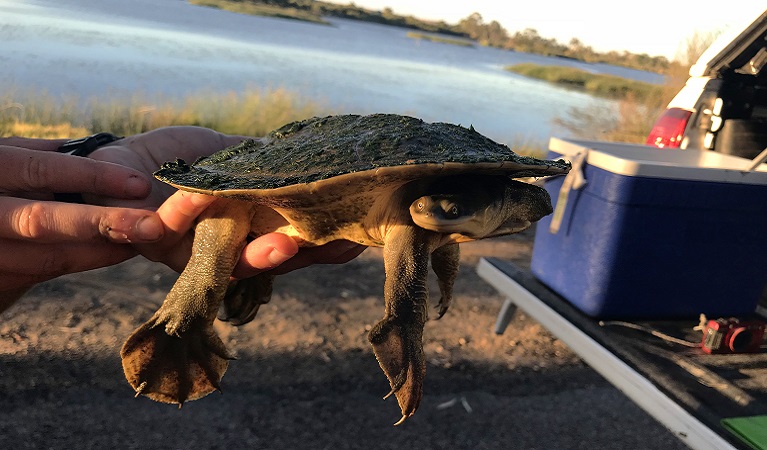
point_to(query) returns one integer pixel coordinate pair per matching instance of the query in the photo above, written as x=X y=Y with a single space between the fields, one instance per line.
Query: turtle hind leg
x=244 y=297
x=173 y=368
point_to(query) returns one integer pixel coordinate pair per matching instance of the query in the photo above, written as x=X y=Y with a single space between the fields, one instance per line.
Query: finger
x=178 y=214
x=186 y=142
x=180 y=211
x=33 y=263
x=33 y=143
x=35 y=171
x=263 y=253
x=53 y=222
x=348 y=255
x=336 y=252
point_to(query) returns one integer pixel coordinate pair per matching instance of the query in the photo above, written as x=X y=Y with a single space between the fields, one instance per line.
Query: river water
x=114 y=48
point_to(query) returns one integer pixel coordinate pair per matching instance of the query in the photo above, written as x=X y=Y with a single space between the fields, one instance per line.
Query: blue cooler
x=650 y=233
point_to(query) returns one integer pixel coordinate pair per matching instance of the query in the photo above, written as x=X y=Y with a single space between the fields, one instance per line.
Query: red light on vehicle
x=669 y=128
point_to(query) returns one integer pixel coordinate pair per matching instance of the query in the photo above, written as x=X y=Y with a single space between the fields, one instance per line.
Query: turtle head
x=480 y=207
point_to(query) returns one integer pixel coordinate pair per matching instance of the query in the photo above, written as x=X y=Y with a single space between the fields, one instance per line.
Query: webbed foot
x=174 y=368
x=398 y=346
x=244 y=297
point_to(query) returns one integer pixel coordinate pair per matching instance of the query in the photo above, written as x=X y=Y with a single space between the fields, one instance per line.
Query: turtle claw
x=442 y=308
x=172 y=368
x=399 y=351
x=401 y=421
x=140 y=389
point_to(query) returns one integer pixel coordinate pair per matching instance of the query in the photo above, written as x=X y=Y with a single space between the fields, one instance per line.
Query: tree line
x=474 y=27
x=529 y=41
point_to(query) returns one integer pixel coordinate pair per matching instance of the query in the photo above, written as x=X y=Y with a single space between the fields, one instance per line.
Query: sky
x=655 y=27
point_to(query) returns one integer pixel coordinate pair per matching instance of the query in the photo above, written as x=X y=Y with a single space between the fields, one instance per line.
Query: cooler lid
x=672 y=163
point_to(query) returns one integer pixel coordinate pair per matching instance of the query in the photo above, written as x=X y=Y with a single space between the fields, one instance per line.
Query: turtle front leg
x=444 y=263
x=177 y=356
x=398 y=338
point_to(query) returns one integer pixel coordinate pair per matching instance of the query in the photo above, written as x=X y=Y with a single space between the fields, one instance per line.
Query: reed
x=250 y=113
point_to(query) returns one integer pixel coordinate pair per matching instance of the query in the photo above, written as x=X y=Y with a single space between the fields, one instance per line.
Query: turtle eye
x=420 y=205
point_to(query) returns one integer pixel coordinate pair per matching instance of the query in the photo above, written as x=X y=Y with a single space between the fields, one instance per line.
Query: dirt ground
x=306 y=376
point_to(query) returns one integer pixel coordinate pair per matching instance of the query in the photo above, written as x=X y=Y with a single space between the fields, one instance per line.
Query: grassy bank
x=607 y=86
x=439 y=39
x=260 y=9
x=252 y=113
x=315 y=10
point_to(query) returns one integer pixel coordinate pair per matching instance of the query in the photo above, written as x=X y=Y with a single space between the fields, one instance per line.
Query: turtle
x=417 y=189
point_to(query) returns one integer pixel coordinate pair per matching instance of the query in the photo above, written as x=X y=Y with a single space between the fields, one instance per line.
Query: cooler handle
x=573 y=180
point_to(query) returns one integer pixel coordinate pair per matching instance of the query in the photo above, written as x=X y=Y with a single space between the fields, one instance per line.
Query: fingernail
x=149 y=229
x=276 y=257
x=137 y=187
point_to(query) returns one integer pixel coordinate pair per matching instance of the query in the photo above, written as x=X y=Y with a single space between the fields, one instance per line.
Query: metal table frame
x=636 y=386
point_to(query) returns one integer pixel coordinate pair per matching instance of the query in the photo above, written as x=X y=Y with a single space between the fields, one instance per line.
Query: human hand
x=146 y=152
x=41 y=239
x=53 y=238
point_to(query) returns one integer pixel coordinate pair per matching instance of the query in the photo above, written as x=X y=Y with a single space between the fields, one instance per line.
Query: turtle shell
x=320 y=151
